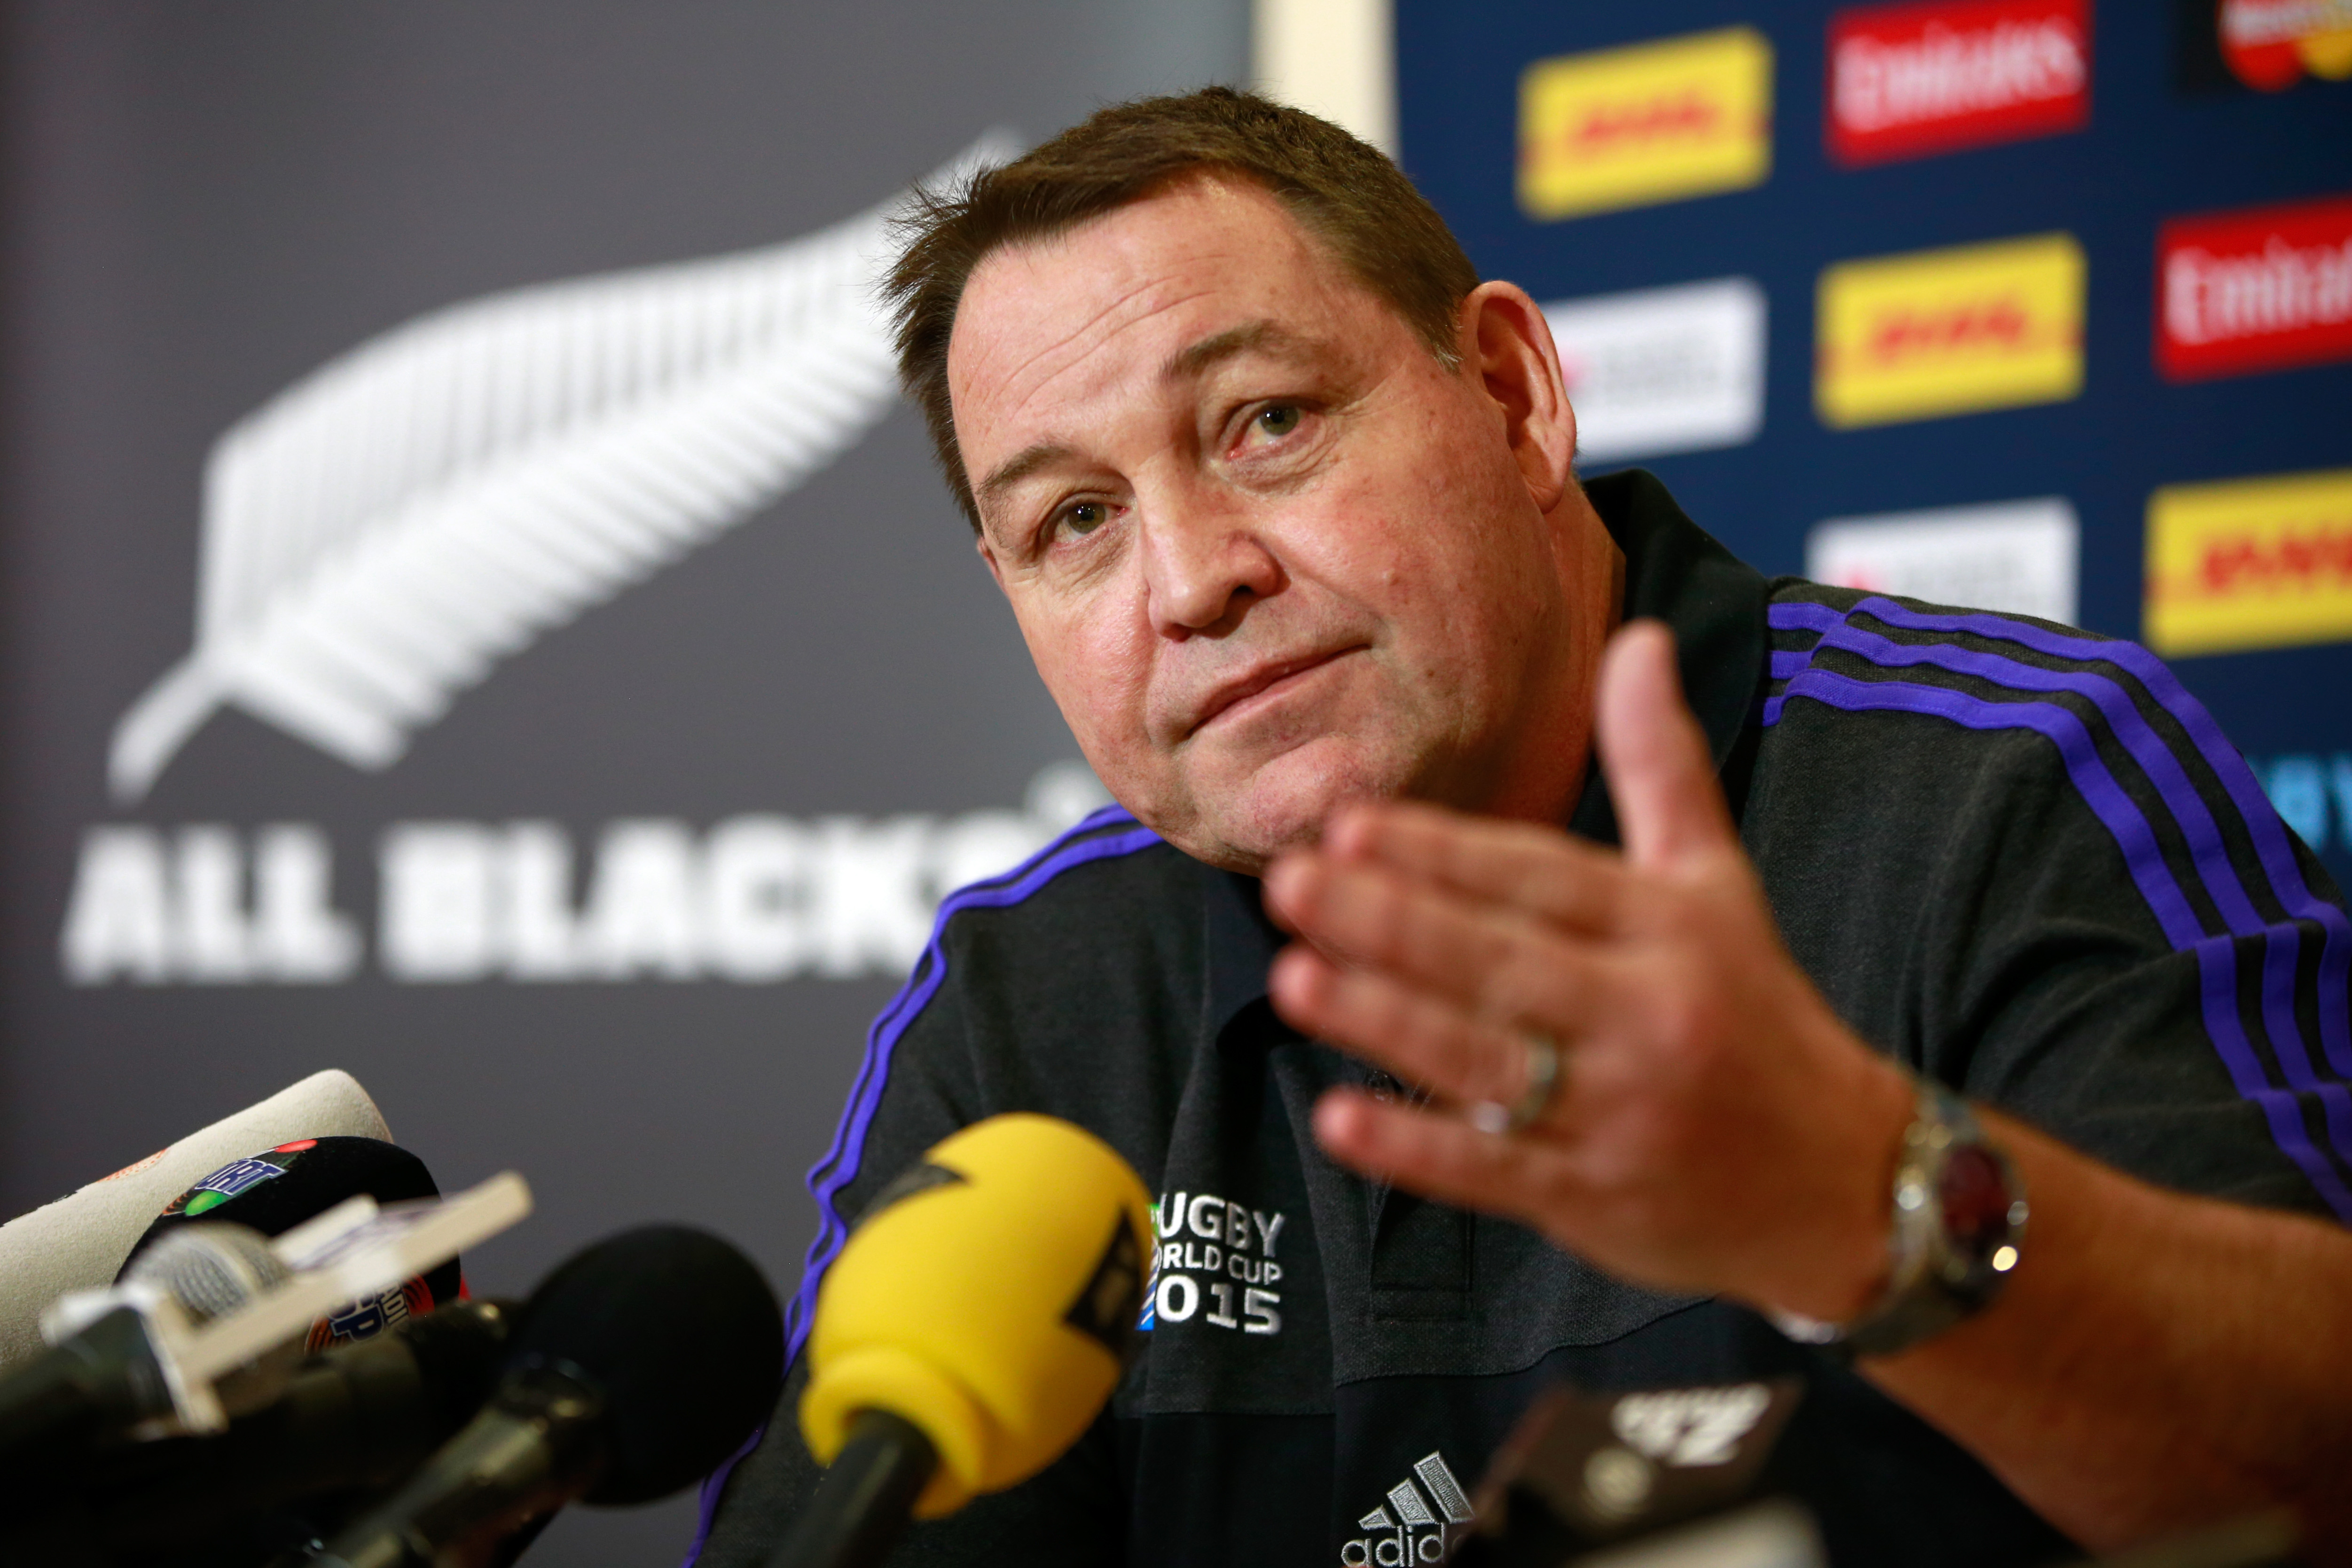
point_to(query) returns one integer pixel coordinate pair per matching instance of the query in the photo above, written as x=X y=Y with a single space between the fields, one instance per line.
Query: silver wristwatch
x=1959 y=1214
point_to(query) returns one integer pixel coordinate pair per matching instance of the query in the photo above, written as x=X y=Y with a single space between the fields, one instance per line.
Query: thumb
x=1654 y=753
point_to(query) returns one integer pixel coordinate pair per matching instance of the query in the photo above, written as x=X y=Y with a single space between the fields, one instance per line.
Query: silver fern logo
x=380 y=535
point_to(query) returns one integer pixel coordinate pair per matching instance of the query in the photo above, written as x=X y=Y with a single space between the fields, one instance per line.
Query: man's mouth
x=1262 y=683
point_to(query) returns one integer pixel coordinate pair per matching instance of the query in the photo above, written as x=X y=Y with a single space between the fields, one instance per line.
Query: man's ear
x=980 y=543
x=1505 y=338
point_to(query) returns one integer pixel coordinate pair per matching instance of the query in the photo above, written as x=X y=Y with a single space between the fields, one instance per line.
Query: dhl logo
x=2294 y=557
x=1950 y=331
x=2250 y=563
x=1649 y=122
x=1615 y=125
x=2000 y=321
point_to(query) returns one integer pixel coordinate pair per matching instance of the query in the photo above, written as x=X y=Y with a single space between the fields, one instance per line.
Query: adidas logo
x=1411 y=1528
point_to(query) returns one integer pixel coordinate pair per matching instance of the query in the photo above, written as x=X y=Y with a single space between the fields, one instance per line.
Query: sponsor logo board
x=2307 y=790
x=2261 y=288
x=1648 y=122
x=2020 y=557
x=1909 y=79
x=2250 y=563
x=2270 y=44
x=1664 y=370
x=1937 y=332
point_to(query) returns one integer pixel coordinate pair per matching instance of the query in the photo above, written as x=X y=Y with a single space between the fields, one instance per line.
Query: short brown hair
x=1341 y=190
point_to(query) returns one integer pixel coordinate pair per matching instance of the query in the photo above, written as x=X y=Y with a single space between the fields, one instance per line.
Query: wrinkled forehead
x=1106 y=308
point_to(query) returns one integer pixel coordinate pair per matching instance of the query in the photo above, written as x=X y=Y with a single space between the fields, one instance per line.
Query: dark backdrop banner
x=2020 y=302
x=476 y=613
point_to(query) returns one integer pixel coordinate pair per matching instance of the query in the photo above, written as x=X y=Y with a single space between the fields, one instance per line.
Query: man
x=1281 y=495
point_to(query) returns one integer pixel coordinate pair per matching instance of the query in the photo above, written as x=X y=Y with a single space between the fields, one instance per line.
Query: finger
x=1661 y=773
x=1499 y=965
x=1421 y=1038
x=1438 y=1156
x=1534 y=868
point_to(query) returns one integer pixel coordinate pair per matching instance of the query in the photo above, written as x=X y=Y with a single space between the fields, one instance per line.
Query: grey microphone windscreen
x=79 y=1241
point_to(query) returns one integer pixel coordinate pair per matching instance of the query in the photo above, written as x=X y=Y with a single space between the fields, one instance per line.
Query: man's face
x=1268 y=551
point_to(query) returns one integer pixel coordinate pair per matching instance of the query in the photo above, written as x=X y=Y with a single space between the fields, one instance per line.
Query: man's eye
x=1085 y=517
x=1279 y=420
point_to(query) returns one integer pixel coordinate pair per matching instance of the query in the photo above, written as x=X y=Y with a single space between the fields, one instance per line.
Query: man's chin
x=1244 y=823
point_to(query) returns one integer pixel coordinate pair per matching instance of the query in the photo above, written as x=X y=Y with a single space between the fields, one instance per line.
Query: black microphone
x=351 y=1421
x=207 y=1253
x=112 y=1375
x=278 y=1188
x=1674 y=1472
x=634 y=1369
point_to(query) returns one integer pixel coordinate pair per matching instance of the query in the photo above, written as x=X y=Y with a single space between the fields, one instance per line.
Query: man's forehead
x=1126 y=294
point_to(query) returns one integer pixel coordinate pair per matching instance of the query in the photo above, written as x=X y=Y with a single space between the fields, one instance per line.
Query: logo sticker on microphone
x=370 y=1316
x=1106 y=1309
x=235 y=1177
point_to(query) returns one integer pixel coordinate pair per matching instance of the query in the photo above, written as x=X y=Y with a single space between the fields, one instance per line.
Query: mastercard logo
x=2270 y=43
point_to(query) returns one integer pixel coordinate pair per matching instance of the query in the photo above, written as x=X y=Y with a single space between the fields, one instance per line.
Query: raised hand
x=1713 y=1126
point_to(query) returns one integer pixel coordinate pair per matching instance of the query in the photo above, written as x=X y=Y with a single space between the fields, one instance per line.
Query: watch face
x=1974 y=1192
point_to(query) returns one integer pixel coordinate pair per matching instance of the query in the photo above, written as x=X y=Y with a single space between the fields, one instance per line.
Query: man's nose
x=1204 y=563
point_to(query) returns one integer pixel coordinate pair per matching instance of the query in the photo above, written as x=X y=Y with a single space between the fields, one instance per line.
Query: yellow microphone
x=969 y=1332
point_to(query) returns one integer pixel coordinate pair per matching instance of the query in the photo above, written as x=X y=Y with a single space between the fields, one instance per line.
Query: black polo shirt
x=2015 y=857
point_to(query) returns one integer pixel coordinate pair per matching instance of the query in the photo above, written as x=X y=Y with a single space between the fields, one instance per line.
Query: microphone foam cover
x=989 y=1295
x=683 y=1336
x=80 y=1242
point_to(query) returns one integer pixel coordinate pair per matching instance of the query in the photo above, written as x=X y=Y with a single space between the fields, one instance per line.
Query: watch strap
x=1957 y=1233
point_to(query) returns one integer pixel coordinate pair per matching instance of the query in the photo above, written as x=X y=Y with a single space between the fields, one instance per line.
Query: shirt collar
x=1674 y=573
x=1714 y=601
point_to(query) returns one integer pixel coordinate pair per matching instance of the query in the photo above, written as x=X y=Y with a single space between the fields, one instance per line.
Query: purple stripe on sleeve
x=2188 y=810
x=865 y=1065
x=2145 y=862
x=1801 y=615
x=839 y=1165
x=2269 y=834
x=713 y=1486
x=893 y=1024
